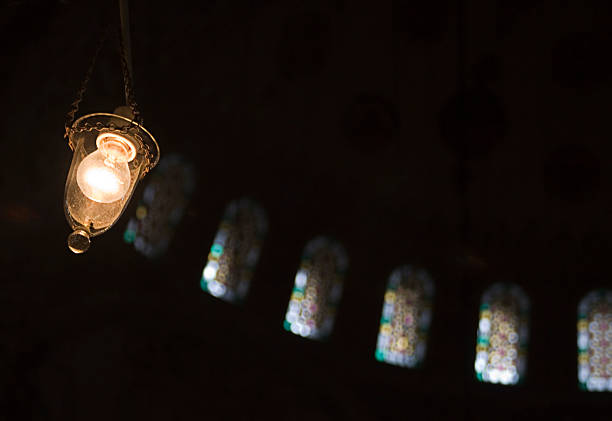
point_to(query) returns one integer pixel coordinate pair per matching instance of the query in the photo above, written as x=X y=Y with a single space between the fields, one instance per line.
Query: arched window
x=501 y=349
x=595 y=341
x=235 y=251
x=317 y=289
x=161 y=208
x=405 y=319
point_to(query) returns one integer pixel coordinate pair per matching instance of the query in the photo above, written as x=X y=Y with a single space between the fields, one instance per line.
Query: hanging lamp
x=112 y=152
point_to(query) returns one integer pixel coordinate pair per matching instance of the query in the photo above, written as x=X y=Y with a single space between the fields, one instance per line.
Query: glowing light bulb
x=102 y=179
x=104 y=176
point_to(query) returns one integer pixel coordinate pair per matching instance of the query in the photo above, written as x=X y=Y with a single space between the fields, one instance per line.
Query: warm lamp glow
x=104 y=176
x=110 y=155
x=101 y=180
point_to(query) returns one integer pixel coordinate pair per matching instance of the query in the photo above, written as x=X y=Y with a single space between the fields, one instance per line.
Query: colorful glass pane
x=406 y=315
x=595 y=341
x=317 y=289
x=235 y=251
x=503 y=331
x=162 y=206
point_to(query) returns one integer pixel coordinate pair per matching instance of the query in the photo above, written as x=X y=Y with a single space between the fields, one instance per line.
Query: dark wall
x=469 y=137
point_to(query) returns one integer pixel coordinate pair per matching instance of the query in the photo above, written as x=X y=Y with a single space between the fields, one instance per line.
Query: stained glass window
x=503 y=331
x=595 y=341
x=406 y=316
x=162 y=206
x=317 y=289
x=235 y=251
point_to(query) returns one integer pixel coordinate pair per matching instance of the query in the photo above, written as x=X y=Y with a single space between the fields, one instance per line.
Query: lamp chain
x=128 y=83
x=74 y=107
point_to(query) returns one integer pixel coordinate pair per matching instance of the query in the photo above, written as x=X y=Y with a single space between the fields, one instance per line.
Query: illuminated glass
x=235 y=251
x=162 y=206
x=317 y=289
x=595 y=341
x=406 y=315
x=503 y=331
x=111 y=154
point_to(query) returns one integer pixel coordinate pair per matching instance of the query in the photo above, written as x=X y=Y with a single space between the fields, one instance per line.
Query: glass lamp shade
x=111 y=154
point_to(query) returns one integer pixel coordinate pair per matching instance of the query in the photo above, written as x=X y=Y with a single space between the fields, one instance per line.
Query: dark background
x=469 y=137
